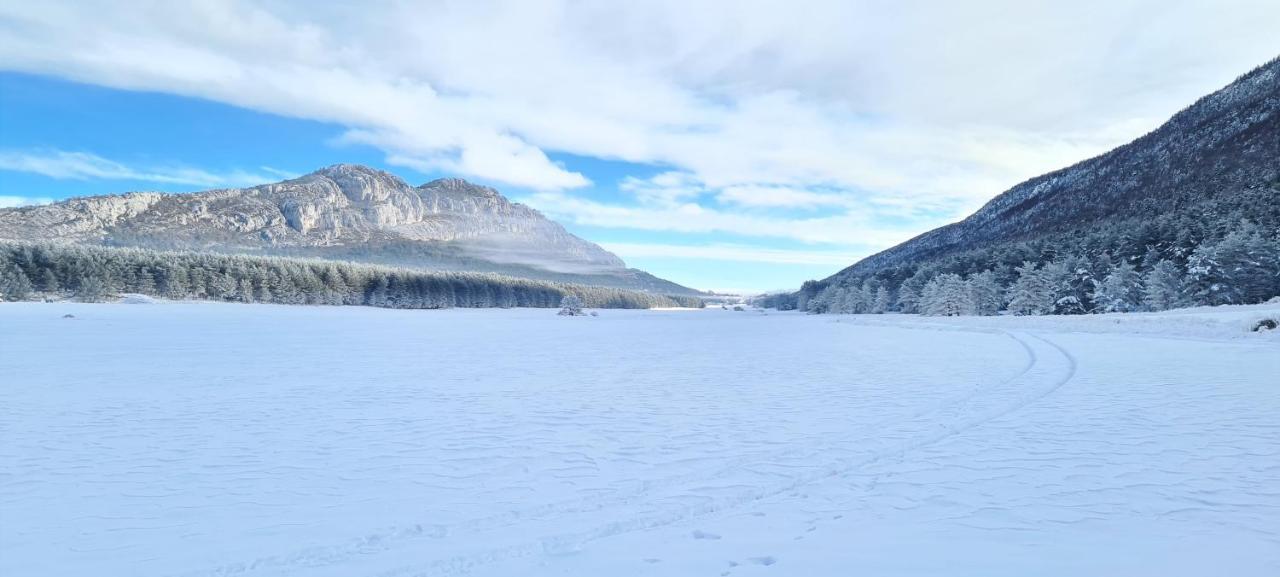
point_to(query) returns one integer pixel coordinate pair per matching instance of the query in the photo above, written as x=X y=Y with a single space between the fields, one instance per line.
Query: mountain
x=346 y=212
x=1211 y=170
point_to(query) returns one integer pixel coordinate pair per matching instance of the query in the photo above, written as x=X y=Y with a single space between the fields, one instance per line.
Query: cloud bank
x=833 y=122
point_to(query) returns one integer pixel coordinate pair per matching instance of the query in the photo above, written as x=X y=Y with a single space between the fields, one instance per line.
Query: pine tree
x=378 y=295
x=1033 y=293
x=570 y=306
x=882 y=301
x=824 y=301
x=946 y=295
x=92 y=289
x=49 y=281
x=14 y=285
x=909 y=292
x=1121 y=290
x=853 y=301
x=1248 y=264
x=1160 y=287
x=245 y=290
x=1075 y=286
x=985 y=293
x=145 y=282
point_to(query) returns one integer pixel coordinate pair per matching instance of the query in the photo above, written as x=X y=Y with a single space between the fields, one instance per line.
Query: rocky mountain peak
x=359 y=183
x=345 y=211
x=458 y=185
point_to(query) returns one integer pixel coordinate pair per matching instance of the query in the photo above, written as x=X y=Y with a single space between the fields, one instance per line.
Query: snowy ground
x=202 y=439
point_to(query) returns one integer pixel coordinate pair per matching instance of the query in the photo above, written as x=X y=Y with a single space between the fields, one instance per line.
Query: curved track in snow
x=1048 y=367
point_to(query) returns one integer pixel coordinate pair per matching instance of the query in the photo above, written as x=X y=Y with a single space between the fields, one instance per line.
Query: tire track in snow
x=1036 y=383
x=954 y=416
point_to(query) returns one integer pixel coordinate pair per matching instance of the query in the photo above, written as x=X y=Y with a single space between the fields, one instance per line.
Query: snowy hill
x=1225 y=148
x=1201 y=191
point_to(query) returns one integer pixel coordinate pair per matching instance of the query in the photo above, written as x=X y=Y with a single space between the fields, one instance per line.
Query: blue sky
x=748 y=151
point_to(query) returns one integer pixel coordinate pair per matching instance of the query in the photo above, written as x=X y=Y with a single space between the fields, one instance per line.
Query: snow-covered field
x=202 y=439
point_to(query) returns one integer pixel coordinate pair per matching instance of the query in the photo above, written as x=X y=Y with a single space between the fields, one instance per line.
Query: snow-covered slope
x=215 y=439
x=1218 y=153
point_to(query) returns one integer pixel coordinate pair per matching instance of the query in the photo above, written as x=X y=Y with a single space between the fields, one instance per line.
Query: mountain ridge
x=344 y=211
x=1258 y=88
x=1187 y=214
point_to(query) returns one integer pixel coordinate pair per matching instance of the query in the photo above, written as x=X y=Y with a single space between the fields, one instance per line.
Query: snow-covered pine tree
x=1249 y=264
x=850 y=301
x=570 y=306
x=14 y=285
x=1121 y=290
x=947 y=295
x=985 y=293
x=1075 y=286
x=882 y=301
x=245 y=291
x=868 y=295
x=1032 y=293
x=92 y=289
x=1161 y=286
x=49 y=282
x=910 y=292
x=825 y=301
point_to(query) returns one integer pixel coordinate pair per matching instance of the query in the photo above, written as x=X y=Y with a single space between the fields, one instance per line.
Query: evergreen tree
x=909 y=292
x=49 y=281
x=882 y=301
x=853 y=301
x=985 y=293
x=1033 y=293
x=92 y=289
x=1121 y=290
x=1160 y=287
x=1075 y=286
x=570 y=306
x=14 y=285
x=946 y=295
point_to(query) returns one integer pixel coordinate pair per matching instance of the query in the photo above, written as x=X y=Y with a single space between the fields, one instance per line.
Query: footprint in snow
x=766 y=560
x=700 y=534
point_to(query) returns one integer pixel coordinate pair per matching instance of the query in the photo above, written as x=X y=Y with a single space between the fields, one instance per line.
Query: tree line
x=1162 y=263
x=44 y=270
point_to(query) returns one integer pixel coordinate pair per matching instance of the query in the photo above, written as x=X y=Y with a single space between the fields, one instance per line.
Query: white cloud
x=779 y=197
x=846 y=229
x=85 y=166
x=7 y=201
x=667 y=188
x=735 y=253
x=878 y=111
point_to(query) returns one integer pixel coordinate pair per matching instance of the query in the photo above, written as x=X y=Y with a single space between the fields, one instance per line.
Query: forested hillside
x=30 y=270
x=1186 y=215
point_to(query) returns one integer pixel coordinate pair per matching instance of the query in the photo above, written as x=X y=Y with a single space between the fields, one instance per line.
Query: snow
x=199 y=439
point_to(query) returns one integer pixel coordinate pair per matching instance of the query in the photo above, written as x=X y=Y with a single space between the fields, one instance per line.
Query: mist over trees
x=90 y=273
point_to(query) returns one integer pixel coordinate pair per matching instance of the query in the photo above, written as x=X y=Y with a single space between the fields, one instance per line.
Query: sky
x=733 y=145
